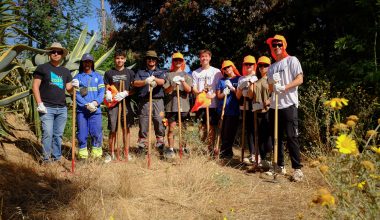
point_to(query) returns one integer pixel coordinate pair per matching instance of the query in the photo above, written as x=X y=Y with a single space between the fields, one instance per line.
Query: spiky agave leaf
x=104 y=57
x=7 y=89
x=15 y=97
x=8 y=56
x=8 y=69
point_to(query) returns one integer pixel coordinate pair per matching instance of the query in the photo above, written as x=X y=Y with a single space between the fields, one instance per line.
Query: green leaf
x=7 y=57
x=8 y=69
x=6 y=89
x=90 y=44
x=104 y=57
x=15 y=97
x=75 y=54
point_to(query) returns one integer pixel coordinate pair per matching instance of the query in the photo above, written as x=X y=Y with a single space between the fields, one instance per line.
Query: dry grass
x=193 y=188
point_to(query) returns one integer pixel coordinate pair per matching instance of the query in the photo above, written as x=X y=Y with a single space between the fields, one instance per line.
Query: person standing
x=227 y=87
x=89 y=116
x=113 y=77
x=176 y=76
x=154 y=77
x=284 y=77
x=261 y=106
x=50 y=80
x=245 y=90
x=205 y=79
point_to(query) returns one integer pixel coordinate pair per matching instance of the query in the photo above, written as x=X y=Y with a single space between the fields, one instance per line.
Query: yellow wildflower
x=346 y=145
x=353 y=118
x=371 y=133
x=324 y=198
x=368 y=165
x=336 y=103
x=324 y=169
x=376 y=149
x=374 y=176
x=339 y=128
x=351 y=123
x=361 y=185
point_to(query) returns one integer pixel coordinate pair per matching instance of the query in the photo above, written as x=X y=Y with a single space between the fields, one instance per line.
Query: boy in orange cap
x=176 y=76
x=227 y=87
x=245 y=89
x=284 y=77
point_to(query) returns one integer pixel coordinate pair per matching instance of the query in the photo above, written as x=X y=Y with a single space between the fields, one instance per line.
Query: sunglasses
x=226 y=67
x=177 y=60
x=249 y=64
x=263 y=65
x=274 y=45
x=59 y=52
x=151 y=58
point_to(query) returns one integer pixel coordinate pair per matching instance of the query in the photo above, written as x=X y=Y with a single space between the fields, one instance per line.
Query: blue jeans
x=53 y=124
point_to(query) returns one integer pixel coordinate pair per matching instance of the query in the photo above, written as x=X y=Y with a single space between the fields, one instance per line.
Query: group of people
x=230 y=93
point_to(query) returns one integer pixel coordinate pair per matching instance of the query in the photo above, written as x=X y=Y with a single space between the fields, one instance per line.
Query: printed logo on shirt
x=56 y=80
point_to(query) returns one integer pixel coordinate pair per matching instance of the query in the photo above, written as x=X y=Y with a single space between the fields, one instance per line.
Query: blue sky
x=93 y=20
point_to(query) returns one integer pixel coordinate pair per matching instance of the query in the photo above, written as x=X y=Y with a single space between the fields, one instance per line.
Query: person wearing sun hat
x=227 y=86
x=50 y=81
x=176 y=76
x=245 y=89
x=261 y=106
x=151 y=75
x=284 y=77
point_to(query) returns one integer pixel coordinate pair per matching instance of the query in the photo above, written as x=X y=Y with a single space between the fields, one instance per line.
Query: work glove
x=226 y=91
x=245 y=93
x=243 y=84
x=178 y=79
x=253 y=79
x=149 y=80
x=275 y=78
x=75 y=83
x=257 y=106
x=121 y=95
x=153 y=84
x=108 y=96
x=229 y=84
x=278 y=88
x=41 y=108
x=91 y=107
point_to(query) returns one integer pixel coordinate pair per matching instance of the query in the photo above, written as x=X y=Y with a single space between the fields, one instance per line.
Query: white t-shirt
x=211 y=76
x=288 y=68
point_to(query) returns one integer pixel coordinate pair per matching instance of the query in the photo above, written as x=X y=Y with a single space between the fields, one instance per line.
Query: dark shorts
x=214 y=117
x=112 y=118
x=173 y=116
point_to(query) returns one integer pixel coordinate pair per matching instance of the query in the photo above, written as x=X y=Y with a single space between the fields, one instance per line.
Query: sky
x=93 y=21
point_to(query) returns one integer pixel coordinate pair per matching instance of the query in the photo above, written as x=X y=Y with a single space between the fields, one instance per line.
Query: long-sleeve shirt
x=95 y=90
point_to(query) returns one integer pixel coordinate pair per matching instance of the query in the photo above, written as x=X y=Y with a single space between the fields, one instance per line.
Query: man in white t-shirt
x=206 y=78
x=284 y=77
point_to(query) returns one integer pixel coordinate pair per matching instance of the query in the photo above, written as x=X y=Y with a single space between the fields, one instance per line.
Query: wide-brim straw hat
x=58 y=46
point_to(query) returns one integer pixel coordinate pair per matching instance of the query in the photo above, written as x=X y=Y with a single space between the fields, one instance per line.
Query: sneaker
x=169 y=153
x=280 y=170
x=297 y=175
x=107 y=158
x=249 y=160
x=265 y=164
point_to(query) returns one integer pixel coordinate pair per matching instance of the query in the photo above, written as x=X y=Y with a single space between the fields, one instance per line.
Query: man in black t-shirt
x=50 y=80
x=112 y=78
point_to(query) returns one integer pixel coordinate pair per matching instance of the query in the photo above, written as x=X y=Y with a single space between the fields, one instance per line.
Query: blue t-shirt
x=158 y=91
x=232 y=104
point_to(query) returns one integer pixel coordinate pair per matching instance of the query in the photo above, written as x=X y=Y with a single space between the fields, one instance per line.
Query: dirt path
x=193 y=188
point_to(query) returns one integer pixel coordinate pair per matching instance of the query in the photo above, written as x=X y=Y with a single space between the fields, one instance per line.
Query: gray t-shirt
x=288 y=68
x=171 y=103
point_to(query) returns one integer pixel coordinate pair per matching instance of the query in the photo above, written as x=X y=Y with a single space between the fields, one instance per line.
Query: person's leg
x=214 y=119
x=112 y=125
x=281 y=130
x=250 y=132
x=143 y=123
x=47 y=121
x=95 y=128
x=172 y=123
x=291 y=128
x=82 y=135
x=159 y=128
x=59 y=124
x=229 y=129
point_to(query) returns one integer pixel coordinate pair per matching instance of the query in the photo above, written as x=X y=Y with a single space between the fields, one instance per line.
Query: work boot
x=83 y=153
x=169 y=153
x=160 y=145
x=297 y=175
x=96 y=152
x=279 y=170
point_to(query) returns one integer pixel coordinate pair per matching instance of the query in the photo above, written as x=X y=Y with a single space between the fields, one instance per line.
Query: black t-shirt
x=113 y=77
x=53 y=84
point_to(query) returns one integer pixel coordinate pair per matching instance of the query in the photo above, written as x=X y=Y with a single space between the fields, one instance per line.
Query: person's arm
x=219 y=94
x=80 y=100
x=251 y=89
x=138 y=82
x=101 y=90
x=186 y=87
x=36 y=89
x=296 y=82
x=69 y=86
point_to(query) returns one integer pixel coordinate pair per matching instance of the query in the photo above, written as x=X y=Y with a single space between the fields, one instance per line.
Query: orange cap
x=177 y=55
x=227 y=63
x=249 y=59
x=265 y=60
x=280 y=38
